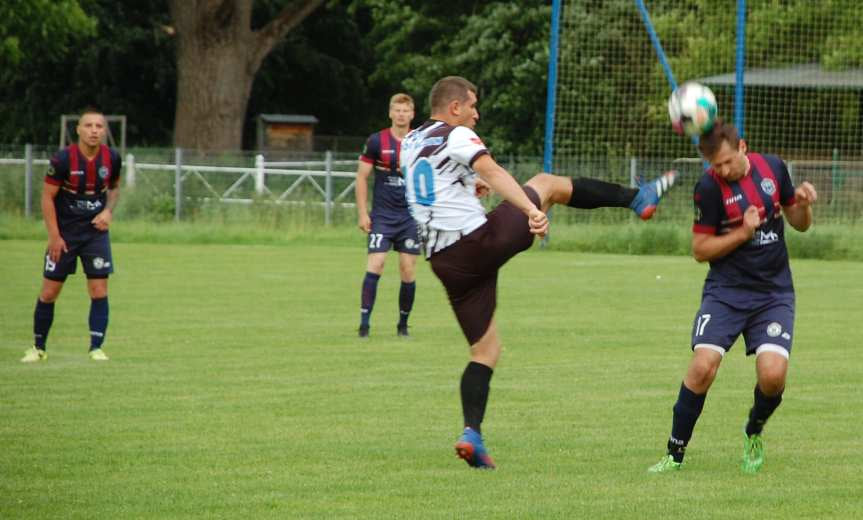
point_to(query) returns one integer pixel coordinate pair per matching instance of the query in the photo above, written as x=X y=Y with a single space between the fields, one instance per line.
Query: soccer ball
x=692 y=108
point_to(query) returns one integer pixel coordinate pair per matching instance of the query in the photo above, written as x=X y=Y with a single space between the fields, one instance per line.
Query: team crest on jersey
x=768 y=186
x=103 y=172
x=774 y=329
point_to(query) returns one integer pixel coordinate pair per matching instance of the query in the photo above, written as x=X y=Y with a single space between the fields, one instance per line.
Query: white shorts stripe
x=716 y=348
x=770 y=347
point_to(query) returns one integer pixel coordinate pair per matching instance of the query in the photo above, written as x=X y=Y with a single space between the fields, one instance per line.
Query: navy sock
x=98 y=321
x=687 y=409
x=406 y=301
x=762 y=409
x=474 y=393
x=367 y=299
x=592 y=193
x=43 y=317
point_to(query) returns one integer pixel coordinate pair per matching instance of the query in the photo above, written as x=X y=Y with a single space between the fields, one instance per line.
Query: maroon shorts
x=468 y=268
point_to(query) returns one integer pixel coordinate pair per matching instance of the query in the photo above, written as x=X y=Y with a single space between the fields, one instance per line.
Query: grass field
x=237 y=389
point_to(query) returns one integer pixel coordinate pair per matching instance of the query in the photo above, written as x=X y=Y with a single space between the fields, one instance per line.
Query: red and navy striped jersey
x=761 y=263
x=383 y=151
x=83 y=183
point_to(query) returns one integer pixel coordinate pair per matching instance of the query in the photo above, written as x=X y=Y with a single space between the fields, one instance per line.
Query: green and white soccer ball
x=692 y=109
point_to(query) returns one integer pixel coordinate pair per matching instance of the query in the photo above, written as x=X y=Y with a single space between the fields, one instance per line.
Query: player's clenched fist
x=805 y=194
x=538 y=222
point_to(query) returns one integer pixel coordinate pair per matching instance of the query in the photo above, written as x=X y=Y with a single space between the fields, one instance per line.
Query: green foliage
x=500 y=46
x=33 y=30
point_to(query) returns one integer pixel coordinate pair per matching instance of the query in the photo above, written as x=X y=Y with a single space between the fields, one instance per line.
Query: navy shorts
x=401 y=236
x=766 y=323
x=94 y=249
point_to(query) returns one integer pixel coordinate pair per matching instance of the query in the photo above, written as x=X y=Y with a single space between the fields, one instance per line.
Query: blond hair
x=401 y=98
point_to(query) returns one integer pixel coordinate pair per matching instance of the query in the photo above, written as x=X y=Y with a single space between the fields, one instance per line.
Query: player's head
x=401 y=110
x=725 y=151
x=91 y=127
x=453 y=101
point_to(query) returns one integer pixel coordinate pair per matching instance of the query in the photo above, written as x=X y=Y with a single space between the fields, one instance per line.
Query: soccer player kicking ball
x=466 y=247
x=78 y=198
x=740 y=231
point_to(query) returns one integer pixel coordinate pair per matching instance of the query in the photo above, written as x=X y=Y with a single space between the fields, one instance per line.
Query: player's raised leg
x=407 y=290
x=369 y=291
x=586 y=193
x=690 y=401
x=98 y=319
x=772 y=367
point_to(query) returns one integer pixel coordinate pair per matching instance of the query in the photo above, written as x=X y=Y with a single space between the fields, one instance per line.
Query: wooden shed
x=286 y=132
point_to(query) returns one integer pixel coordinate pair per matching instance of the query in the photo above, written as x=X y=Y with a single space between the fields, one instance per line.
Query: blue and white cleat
x=649 y=193
x=470 y=448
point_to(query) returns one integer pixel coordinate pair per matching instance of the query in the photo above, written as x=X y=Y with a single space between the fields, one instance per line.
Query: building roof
x=288 y=118
x=808 y=75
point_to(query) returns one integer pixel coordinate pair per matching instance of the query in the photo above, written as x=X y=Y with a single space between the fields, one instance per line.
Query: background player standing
x=390 y=225
x=78 y=198
x=739 y=229
x=466 y=247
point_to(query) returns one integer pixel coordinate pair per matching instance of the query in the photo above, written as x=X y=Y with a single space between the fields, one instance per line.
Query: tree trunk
x=218 y=56
x=213 y=88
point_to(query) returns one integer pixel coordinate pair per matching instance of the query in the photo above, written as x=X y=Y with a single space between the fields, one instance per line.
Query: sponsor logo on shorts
x=774 y=329
x=411 y=244
x=49 y=264
x=100 y=263
x=88 y=205
x=762 y=239
x=785 y=335
x=768 y=187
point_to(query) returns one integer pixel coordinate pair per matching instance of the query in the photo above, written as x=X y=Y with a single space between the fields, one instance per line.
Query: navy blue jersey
x=83 y=185
x=382 y=151
x=762 y=263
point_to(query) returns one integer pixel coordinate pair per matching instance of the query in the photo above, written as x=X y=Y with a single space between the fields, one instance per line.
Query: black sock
x=591 y=193
x=762 y=409
x=98 y=321
x=406 y=301
x=474 y=393
x=687 y=409
x=367 y=298
x=43 y=317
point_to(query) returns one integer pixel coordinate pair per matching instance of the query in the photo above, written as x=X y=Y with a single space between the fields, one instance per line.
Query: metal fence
x=181 y=184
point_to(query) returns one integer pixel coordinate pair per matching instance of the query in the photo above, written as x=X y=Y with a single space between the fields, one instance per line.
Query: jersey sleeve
x=465 y=147
x=58 y=168
x=116 y=169
x=372 y=149
x=786 y=187
x=708 y=207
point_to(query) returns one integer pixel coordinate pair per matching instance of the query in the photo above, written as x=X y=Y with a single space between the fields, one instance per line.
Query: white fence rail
x=317 y=174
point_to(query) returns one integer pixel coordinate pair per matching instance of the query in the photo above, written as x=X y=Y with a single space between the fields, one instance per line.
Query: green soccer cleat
x=753 y=453
x=97 y=355
x=34 y=355
x=666 y=464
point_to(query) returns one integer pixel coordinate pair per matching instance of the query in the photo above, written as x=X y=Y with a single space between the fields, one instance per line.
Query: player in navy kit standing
x=748 y=290
x=78 y=198
x=389 y=225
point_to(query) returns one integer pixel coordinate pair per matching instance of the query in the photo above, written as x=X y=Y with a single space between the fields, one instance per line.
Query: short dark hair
x=450 y=88
x=711 y=141
x=91 y=109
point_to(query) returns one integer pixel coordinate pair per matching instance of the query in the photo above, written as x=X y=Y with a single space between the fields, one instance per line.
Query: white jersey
x=440 y=184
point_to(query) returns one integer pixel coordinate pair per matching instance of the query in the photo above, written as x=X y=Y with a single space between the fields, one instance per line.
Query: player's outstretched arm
x=799 y=214
x=504 y=184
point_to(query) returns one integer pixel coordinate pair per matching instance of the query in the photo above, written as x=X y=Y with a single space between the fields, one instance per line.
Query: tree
x=41 y=28
x=218 y=56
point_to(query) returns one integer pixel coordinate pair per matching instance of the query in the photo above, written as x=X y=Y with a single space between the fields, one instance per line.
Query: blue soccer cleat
x=649 y=194
x=470 y=448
